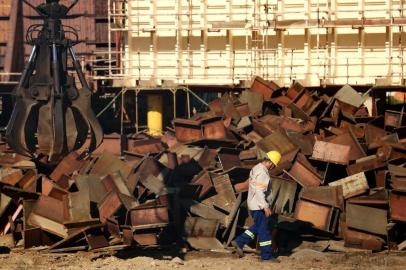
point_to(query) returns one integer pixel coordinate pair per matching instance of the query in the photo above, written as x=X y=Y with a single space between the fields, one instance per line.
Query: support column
x=179 y=43
x=154 y=44
x=204 y=40
x=388 y=49
x=308 y=55
x=280 y=36
x=361 y=51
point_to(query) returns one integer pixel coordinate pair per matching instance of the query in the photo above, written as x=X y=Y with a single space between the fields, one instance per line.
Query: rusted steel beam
x=331 y=152
x=362 y=240
x=332 y=196
x=368 y=164
x=265 y=88
x=320 y=216
x=148 y=217
x=304 y=173
x=67 y=166
x=397 y=202
x=352 y=185
x=367 y=219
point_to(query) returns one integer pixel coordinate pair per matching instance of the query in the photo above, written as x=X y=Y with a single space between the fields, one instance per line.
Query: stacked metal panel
x=342 y=176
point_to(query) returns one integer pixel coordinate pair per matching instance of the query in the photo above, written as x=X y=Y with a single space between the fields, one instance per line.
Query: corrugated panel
x=100 y=7
x=102 y=32
x=4 y=31
x=5 y=7
x=85 y=25
x=2 y=56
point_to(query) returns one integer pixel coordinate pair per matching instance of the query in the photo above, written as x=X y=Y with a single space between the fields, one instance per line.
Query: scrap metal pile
x=342 y=176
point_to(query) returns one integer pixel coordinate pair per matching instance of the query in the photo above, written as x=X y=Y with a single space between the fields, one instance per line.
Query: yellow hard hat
x=275 y=157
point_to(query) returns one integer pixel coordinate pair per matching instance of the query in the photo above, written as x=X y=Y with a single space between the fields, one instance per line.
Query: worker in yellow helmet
x=259 y=181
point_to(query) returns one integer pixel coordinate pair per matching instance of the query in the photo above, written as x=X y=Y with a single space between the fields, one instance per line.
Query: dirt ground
x=163 y=259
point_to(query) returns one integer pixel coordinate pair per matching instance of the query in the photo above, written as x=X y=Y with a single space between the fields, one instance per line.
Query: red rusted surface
x=145 y=216
x=265 y=88
x=397 y=204
x=331 y=152
x=316 y=214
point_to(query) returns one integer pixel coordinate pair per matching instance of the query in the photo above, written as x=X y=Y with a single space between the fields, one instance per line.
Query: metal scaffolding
x=210 y=42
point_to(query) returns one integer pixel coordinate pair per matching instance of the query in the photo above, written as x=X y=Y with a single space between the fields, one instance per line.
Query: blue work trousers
x=260 y=228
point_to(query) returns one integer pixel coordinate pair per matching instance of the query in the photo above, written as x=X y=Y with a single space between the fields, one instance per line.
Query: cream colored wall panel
x=215 y=41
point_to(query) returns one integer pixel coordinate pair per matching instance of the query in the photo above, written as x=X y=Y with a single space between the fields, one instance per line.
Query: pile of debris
x=342 y=176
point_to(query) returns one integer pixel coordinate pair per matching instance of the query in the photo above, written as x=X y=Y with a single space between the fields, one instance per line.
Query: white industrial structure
x=227 y=42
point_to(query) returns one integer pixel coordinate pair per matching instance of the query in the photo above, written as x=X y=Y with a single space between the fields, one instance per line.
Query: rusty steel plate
x=215 y=106
x=352 y=185
x=394 y=119
x=331 y=152
x=187 y=130
x=294 y=90
x=266 y=88
x=255 y=101
x=67 y=166
x=277 y=141
x=229 y=158
x=10 y=176
x=214 y=129
x=397 y=203
x=225 y=197
x=108 y=163
x=314 y=213
x=283 y=194
x=207 y=158
x=111 y=143
x=348 y=138
x=203 y=179
x=307 y=177
x=243 y=109
x=146 y=239
x=332 y=196
x=112 y=203
x=367 y=219
x=368 y=164
x=398 y=182
x=144 y=146
x=149 y=217
x=373 y=133
x=361 y=240
x=349 y=95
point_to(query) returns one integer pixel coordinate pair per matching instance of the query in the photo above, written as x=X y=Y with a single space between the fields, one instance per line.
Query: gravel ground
x=161 y=259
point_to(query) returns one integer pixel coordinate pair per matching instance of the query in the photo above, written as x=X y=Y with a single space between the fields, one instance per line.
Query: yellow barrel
x=155 y=108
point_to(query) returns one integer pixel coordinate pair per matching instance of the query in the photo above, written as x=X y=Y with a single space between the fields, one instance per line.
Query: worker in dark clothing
x=185 y=171
x=181 y=176
x=259 y=182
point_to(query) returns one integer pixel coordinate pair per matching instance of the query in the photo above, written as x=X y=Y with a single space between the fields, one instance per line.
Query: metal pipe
x=136 y=112
x=29 y=67
x=122 y=113
x=57 y=113
x=194 y=94
x=109 y=34
x=78 y=68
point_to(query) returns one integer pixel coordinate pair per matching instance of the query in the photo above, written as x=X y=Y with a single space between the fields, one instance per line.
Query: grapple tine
x=58 y=119
x=71 y=130
x=15 y=134
x=83 y=105
x=45 y=133
x=51 y=117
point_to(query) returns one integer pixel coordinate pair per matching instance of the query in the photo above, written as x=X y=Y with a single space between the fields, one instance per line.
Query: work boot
x=237 y=248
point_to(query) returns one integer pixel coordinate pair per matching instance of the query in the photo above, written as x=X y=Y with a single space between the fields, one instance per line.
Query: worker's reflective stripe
x=266 y=243
x=261 y=185
x=250 y=234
